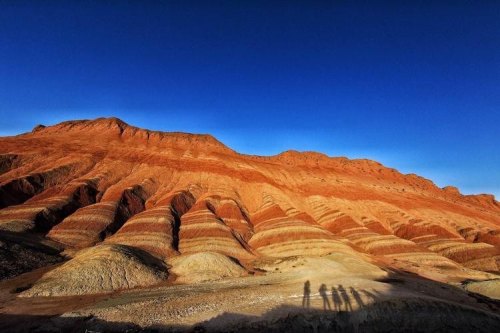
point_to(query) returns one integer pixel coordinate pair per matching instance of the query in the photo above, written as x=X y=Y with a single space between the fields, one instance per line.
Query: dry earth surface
x=108 y=227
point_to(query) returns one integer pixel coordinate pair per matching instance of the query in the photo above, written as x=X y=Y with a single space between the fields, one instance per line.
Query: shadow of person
x=357 y=296
x=323 y=293
x=306 y=300
x=345 y=298
x=337 y=301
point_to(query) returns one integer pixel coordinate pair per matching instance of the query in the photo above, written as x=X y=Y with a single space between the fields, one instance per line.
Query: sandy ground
x=352 y=289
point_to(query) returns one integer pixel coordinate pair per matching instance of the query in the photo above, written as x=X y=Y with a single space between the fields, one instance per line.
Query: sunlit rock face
x=128 y=191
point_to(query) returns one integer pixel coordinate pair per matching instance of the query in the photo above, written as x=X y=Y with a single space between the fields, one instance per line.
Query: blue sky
x=412 y=84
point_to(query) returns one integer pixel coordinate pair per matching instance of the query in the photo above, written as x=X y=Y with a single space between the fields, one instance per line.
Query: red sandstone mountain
x=122 y=201
x=85 y=182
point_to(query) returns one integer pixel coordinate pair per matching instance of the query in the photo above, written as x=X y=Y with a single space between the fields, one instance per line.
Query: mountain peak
x=114 y=131
x=115 y=128
x=111 y=123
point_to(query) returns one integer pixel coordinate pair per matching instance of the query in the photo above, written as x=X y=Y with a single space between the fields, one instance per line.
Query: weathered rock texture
x=102 y=268
x=204 y=266
x=90 y=182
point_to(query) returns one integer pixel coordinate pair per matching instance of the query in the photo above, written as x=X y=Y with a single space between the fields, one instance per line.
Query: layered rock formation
x=204 y=266
x=127 y=190
x=99 y=269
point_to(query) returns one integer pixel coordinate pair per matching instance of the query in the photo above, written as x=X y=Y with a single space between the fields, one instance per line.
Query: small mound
x=101 y=269
x=204 y=266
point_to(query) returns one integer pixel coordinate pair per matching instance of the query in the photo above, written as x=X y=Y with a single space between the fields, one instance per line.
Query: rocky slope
x=127 y=208
x=102 y=268
x=83 y=183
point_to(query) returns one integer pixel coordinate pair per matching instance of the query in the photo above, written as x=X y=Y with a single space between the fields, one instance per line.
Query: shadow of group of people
x=342 y=298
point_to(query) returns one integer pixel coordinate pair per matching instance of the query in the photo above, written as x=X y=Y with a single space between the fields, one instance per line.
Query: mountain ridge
x=115 y=126
x=90 y=182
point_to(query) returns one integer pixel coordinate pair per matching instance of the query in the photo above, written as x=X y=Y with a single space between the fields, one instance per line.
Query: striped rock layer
x=105 y=183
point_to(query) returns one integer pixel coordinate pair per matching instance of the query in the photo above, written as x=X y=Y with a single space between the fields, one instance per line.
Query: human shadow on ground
x=323 y=292
x=376 y=312
x=342 y=299
x=409 y=315
x=306 y=300
x=336 y=300
x=345 y=298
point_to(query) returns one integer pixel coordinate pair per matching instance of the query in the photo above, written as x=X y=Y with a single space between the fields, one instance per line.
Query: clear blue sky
x=412 y=84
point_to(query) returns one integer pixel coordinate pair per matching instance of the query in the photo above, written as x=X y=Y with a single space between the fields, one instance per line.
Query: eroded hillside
x=127 y=207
